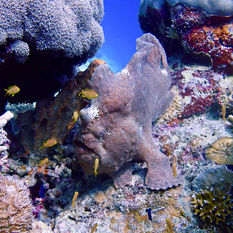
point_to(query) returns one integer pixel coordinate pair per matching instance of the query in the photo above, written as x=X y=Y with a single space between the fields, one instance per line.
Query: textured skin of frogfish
x=116 y=127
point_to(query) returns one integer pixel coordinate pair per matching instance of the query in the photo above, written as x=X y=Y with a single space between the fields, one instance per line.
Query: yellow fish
x=141 y=218
x=75 y=116
x=76 y=193
x=94 y=228
x=169 y=226
x=49 y=143
x=174 y=167
x=224 y=112
x=43 y=162
x=12 y=90
x=96 y=165
x=88 y=93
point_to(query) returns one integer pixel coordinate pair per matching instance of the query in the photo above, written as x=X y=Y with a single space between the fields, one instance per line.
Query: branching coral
x=212 y=206
x=15 y=205
x=221 y=151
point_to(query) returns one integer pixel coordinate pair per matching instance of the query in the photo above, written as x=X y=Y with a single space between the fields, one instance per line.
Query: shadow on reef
x=40 y=76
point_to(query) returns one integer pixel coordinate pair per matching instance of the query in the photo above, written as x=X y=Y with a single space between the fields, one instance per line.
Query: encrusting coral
x=221 y=151
x=15 y=206
x=212 y=206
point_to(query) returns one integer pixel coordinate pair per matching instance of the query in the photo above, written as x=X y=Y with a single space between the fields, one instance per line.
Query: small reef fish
x=94 y=228
x=141 y=218
x=40 y=167
x=224 y=112
x=174 y=167
x=75 y=116
x=76 y=193
x=149 y=212
x=96 y=165
x=49 y=143
x=24 y=155
x=169 y=226
x=12 y=90
x=43 y=162
x=88 y=93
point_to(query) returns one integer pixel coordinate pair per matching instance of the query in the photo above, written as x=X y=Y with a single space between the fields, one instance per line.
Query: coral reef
x=223 y=8
x=174 y=110
x=42 y=24
x=199 y=87
x=212 y=206
x=199 y=27
x=43 y=41
x=221 y=151
x=15 y=205
x=52 y=117
x=215 y=42
x=218 y=176
x=115 y=127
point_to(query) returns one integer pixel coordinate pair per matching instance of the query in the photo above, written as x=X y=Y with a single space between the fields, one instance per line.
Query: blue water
x=121 y=29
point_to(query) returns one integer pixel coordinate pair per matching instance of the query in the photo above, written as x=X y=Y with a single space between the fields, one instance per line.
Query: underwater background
x=116 y=116
x=121 y=28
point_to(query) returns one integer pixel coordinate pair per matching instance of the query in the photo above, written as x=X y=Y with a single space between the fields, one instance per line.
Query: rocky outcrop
x=202 y=28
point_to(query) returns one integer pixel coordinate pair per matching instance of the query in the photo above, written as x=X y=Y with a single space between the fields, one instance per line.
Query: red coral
x=198 y=106
x=216 y=42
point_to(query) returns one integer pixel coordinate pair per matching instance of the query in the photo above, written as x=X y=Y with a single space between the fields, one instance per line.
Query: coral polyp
x=212 y=206
x=221 y=151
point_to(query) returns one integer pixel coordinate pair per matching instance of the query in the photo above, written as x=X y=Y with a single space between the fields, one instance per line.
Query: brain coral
x=221 y=151
x=15 y=205
x=71 y=27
